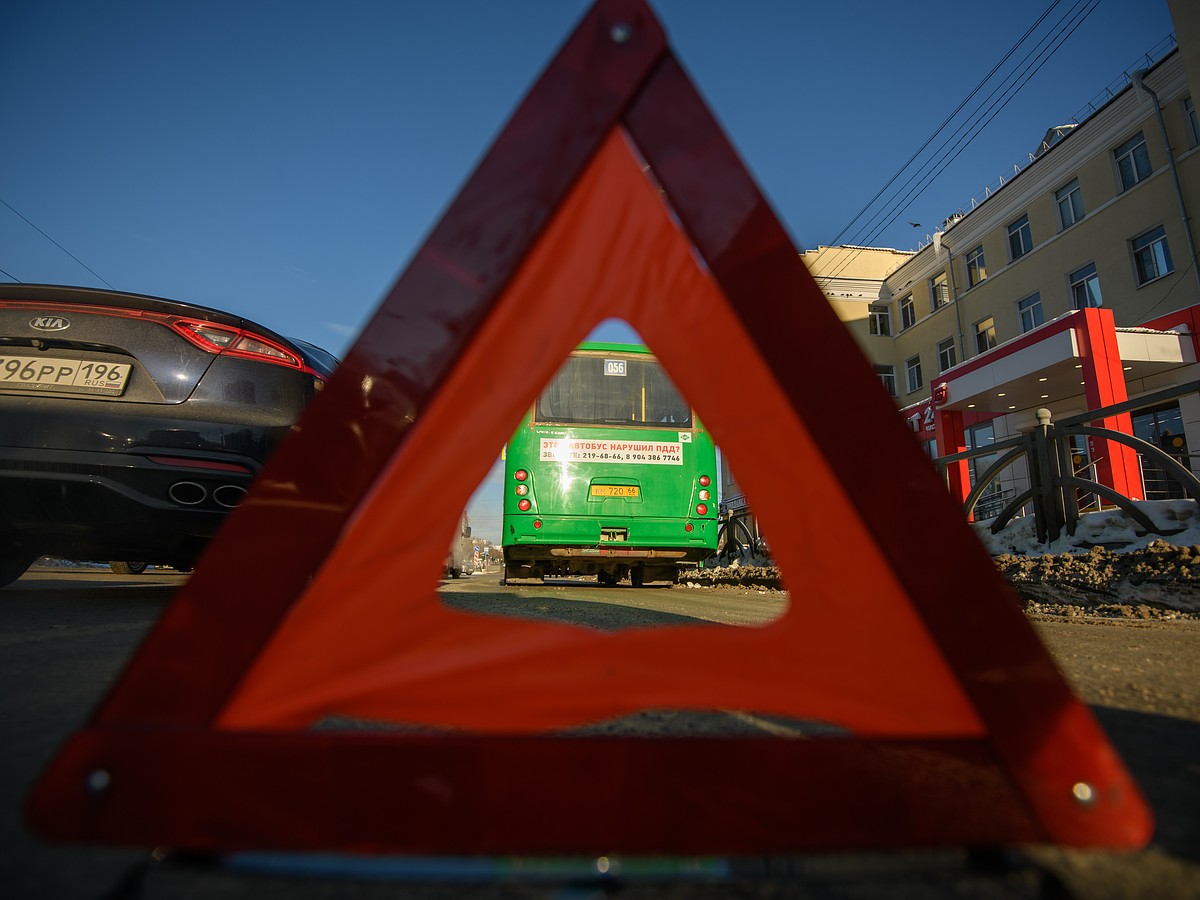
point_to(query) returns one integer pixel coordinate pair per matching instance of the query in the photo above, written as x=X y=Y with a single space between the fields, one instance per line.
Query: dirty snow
x=1112 y=529
x=1106 y=569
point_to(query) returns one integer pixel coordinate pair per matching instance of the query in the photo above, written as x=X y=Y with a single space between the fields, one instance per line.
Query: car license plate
x=615 y=490
x=73 y=376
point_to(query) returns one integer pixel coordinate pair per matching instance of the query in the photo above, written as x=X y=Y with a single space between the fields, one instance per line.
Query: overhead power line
x=974 y=123
x=53 y=241
x=929 y=140
x=999 y=98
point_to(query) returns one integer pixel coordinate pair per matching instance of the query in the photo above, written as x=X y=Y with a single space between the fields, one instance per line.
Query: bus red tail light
x=702 y=509
x=523 y=504
x=704 y=480
x=520 y=475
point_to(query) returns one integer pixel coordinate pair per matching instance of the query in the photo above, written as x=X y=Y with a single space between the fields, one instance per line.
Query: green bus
x=609 y=474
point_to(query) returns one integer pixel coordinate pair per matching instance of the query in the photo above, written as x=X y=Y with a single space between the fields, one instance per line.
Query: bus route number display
x=614 y=367
x=660 y=453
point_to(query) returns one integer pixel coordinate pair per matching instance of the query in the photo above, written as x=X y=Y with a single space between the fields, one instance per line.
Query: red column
x=952 y=438
x=1104 y=385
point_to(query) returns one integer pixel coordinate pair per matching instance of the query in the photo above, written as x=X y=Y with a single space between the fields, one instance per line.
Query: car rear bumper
x=113 y=506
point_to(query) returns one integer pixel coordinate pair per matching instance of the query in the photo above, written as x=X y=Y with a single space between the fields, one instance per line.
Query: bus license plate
x=615 y=490
x=73 y=376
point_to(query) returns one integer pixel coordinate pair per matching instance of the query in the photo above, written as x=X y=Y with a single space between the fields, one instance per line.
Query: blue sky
x=284 y=160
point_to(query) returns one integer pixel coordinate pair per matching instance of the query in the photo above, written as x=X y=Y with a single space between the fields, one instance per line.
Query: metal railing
x=737 y=536
x=1055 y=486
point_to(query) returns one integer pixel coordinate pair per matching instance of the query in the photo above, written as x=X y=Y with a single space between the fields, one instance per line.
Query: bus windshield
x=612 y=390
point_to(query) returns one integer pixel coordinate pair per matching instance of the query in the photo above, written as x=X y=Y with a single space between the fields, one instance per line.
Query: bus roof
x=612 y=347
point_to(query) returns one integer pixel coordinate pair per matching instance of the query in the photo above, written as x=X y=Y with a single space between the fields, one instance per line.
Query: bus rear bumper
x=641 y=563
x=650 y=549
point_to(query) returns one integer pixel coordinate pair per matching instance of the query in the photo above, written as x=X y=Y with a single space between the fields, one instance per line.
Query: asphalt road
x=65 y=636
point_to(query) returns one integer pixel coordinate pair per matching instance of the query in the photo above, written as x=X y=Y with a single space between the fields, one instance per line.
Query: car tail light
x=235 y=342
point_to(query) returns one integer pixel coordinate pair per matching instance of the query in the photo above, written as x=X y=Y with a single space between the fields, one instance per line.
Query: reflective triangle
x=318 y=598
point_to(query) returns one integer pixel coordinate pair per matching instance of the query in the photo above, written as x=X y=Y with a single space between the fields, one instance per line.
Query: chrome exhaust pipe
x=187 y=493
x=229 y=495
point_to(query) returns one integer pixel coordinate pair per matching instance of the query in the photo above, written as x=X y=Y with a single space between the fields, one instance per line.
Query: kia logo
x=49 y=323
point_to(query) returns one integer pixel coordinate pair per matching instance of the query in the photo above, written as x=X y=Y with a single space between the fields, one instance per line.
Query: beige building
x=1071 y=287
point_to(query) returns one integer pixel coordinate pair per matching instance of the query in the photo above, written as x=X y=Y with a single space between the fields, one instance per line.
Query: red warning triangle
x=318 y=597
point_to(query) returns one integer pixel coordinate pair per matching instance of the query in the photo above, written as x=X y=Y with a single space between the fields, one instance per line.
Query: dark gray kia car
x=131 y=425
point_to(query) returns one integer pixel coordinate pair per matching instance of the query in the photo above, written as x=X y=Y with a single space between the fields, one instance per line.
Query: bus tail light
x=702 y=509
x=522 y=490
x=704 y=480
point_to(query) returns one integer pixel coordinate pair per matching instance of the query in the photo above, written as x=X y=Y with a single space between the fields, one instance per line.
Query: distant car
x=131 y=425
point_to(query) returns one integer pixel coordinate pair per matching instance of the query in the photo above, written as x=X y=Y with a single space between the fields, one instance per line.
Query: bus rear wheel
x=637 y=576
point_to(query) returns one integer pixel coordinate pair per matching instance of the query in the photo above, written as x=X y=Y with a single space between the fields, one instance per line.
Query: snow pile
x=749 y=570
x=1106 y=569
x=1112 y=529
x=1160 y=581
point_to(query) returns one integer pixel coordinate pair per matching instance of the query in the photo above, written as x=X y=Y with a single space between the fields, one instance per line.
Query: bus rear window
x=611 y=390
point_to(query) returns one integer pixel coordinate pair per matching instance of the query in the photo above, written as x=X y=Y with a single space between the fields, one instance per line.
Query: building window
x=939 y=293
x=947 y=355
x=1133 y=161
x=1085 y=287
x=976 y=267
x=990 y=501
x=1070 y=204
x=1189 y=110
x=887 y=375
x=1152 y=256
x=908 y=313
x=1020 y=238
x=1163 y=427
x=912 y=372
x=880 y=319
x=985 y=335
x=1030 y=311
